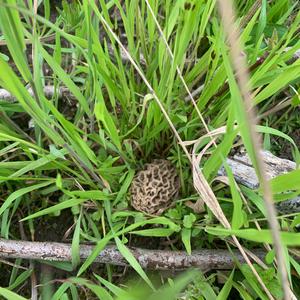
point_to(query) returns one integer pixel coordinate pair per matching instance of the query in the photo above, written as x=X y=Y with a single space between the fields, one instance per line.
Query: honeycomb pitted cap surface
x=154 y=188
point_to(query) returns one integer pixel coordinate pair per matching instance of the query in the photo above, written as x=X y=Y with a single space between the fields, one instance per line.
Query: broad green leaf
x=173 y=17
x=191 y=20
x=188 y=220
x=216 y=82
x=186 y=239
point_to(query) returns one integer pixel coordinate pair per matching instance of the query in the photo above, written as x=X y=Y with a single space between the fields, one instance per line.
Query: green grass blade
x=132 y=261
x=55 y=208
x=15 y=195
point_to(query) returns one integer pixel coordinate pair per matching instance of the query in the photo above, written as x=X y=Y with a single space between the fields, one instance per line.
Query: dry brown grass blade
x=240 y=66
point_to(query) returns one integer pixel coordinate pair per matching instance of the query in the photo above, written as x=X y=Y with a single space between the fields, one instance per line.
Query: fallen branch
x=206 y=259
x=49 y=91
x=245 y=174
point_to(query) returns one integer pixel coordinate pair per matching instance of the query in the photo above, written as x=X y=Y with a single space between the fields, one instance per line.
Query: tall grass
x=152 y=82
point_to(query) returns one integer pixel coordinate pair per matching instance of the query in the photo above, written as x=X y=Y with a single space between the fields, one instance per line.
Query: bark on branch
x=206 y=259
x=49 y=91
x=244 y=173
